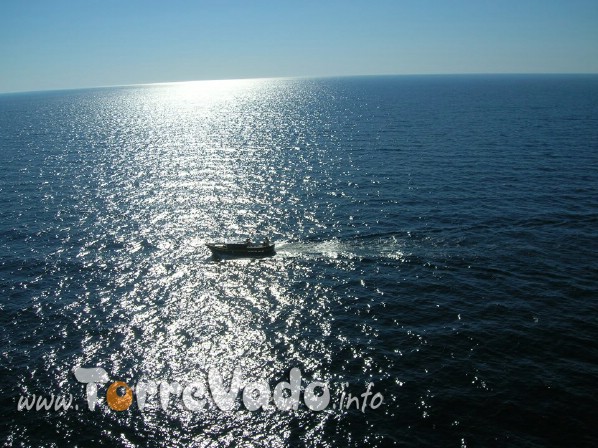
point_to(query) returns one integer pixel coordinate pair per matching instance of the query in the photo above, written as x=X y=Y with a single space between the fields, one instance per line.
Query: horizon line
x=158 y=83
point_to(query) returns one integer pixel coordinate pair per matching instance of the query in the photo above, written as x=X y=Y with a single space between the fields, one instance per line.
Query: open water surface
x=436 y=236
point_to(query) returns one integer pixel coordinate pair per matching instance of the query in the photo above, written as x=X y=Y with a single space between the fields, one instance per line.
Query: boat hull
x=241 y=249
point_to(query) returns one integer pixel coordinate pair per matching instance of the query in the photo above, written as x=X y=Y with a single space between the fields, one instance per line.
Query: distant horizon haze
x=274 y=78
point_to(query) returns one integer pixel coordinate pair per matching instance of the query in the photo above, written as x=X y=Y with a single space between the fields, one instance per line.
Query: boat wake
x=363 y=249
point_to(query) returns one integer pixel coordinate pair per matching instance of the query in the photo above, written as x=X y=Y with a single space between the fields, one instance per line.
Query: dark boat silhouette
x=246 y=249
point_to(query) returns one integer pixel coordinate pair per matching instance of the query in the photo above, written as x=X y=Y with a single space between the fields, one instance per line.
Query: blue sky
x=69 y=44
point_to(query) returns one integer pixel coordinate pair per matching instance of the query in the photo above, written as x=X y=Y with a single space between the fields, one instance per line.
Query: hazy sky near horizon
x=70 y=44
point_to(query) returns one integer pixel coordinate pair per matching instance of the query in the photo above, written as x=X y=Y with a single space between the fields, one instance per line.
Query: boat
x=246 y=249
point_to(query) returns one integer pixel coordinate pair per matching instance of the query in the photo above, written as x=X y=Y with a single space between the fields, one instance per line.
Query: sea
x=434 y=282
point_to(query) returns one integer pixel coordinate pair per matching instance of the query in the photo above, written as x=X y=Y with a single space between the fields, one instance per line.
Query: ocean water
x=436 y=236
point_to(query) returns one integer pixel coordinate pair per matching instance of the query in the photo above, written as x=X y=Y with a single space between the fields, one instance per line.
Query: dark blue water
x=436 y=236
